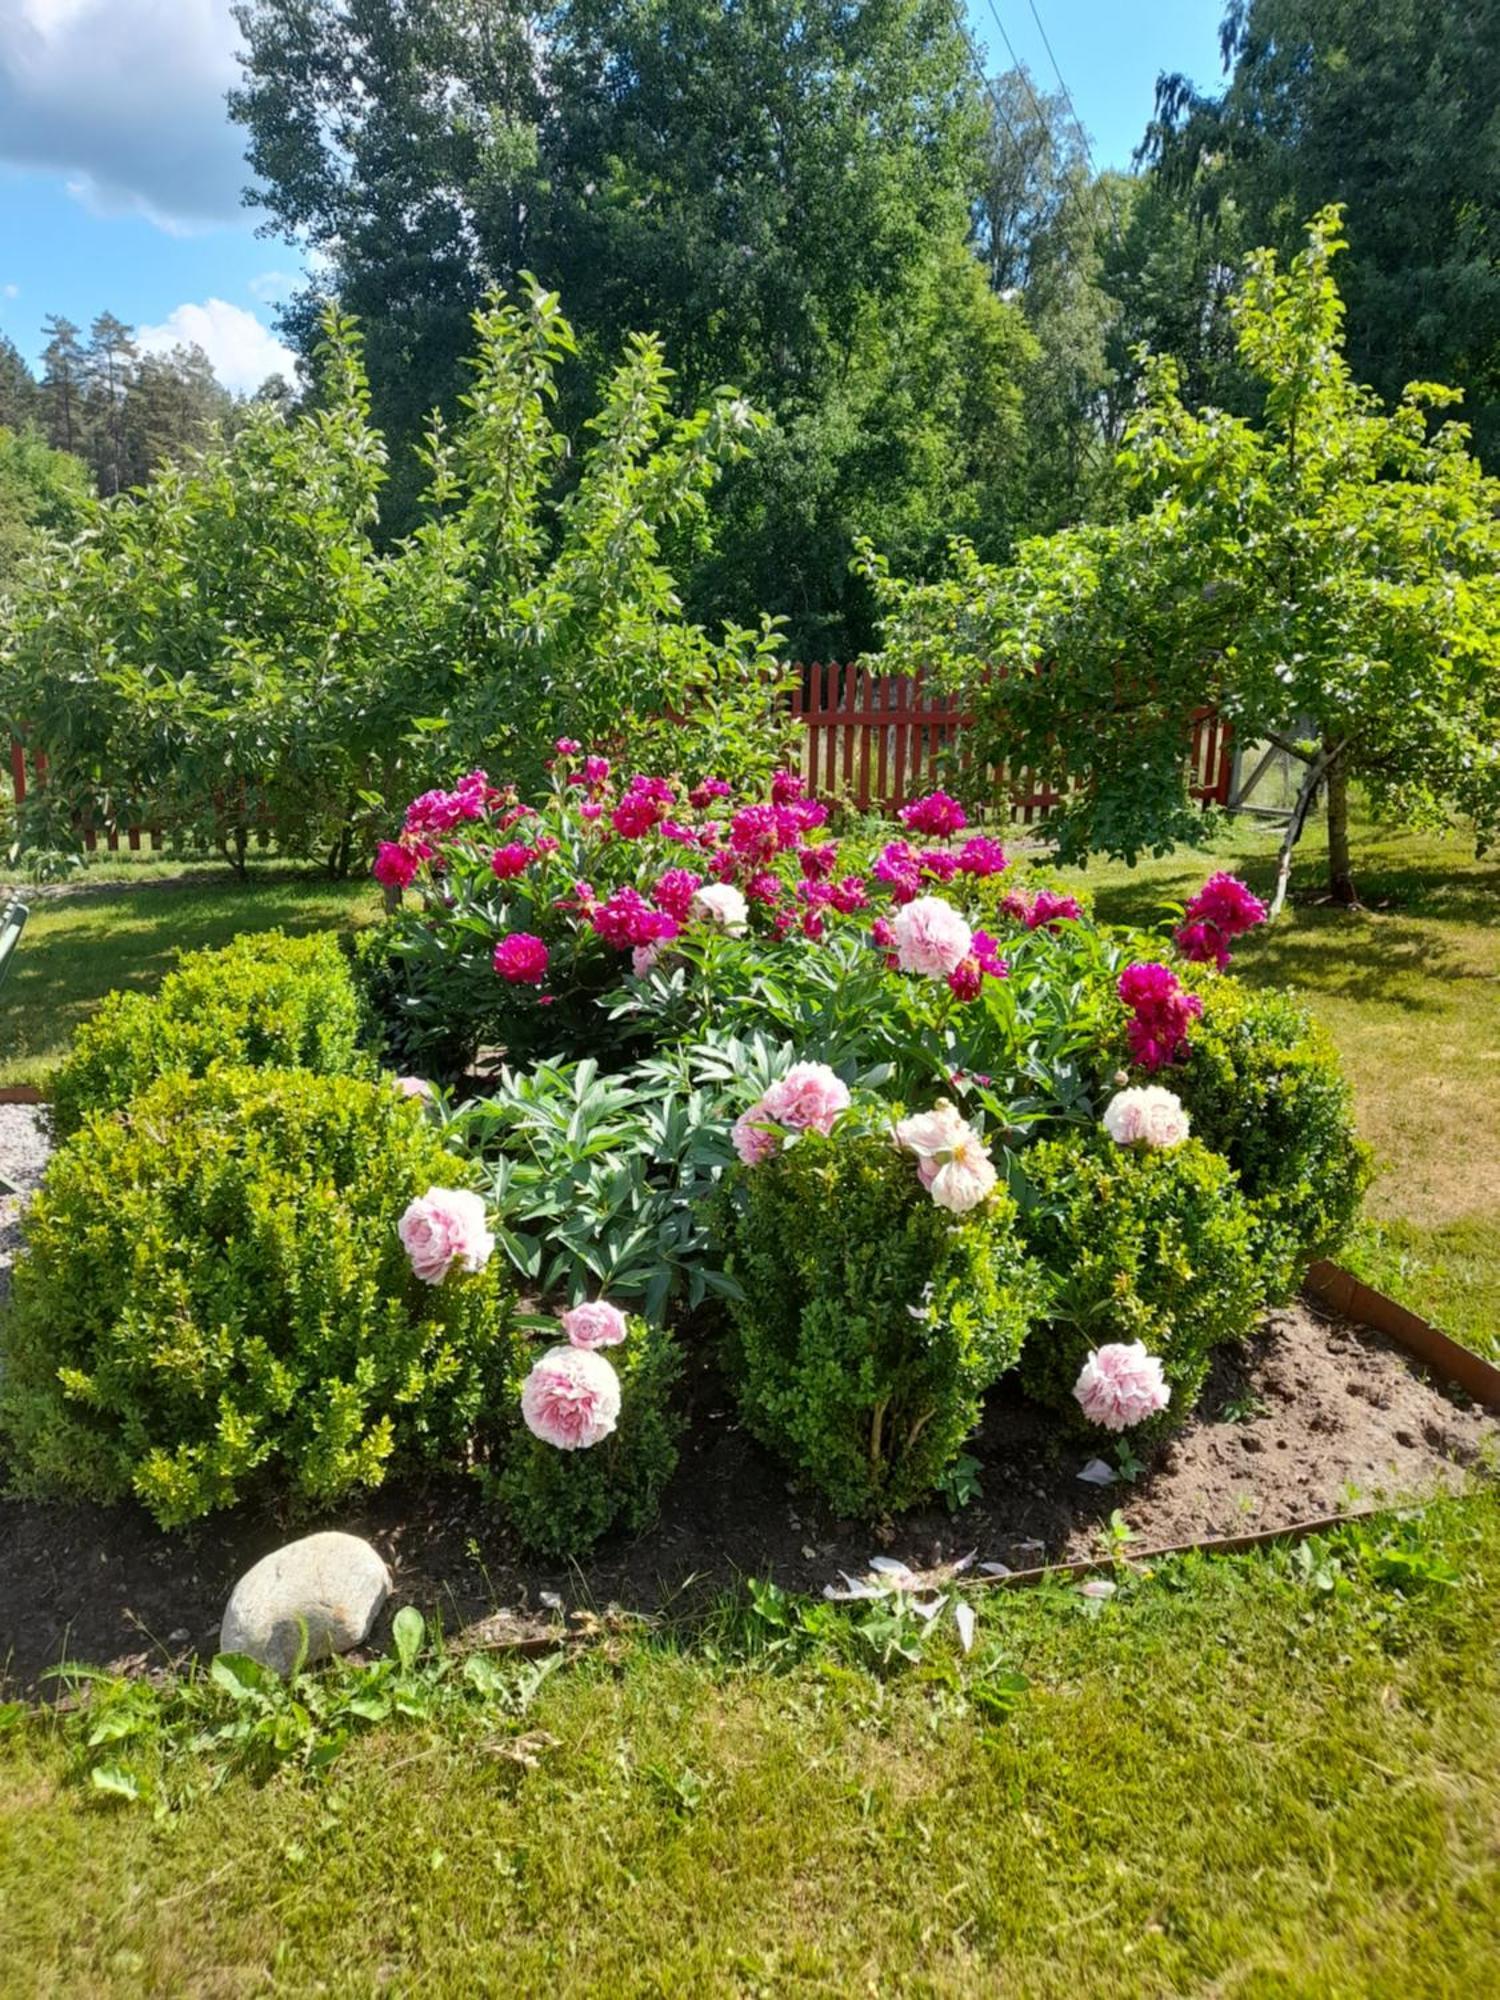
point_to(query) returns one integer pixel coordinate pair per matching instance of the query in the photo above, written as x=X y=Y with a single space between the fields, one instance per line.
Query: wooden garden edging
x=1331 y=1286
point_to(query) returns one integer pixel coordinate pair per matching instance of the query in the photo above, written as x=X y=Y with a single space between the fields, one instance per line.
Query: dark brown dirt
x=1310 y=1416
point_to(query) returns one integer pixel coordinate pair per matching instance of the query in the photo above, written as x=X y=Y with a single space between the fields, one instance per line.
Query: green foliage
x=560 y=1502
x=166 y=1745
x=42 y=492
x=213 y=1300
x=1157 y=1247
x=1330 y=578
x=871 y=1321
x=1264 y=1088
x=263 y=1001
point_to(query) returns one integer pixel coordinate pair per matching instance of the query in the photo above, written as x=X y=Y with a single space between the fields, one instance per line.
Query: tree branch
x=1317 y=770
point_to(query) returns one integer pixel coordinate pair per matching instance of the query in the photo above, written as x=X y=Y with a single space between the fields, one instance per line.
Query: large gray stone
x=333 y=1583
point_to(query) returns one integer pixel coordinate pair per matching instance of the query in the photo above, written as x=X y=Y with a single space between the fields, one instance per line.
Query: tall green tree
x=1328 y=578
x=42 y=492
x=64 y=386
x=170 y=407
x=1391 y=110
x=20 y=399
x=782 y=192
x=110 y=361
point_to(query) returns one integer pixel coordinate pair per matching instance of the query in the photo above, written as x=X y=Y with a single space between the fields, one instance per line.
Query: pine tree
x=64 y=379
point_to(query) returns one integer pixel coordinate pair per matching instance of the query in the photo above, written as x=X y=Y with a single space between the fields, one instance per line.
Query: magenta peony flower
x=1160 y=1010
x=1148 y=1116
x=764 y=888
x=937 y=816
x=595 y=770
x=807 y=1099
x=444 y=1227
x=674 y=892
x=509 y=861
x=1051 y=908
x=625 y=918
x=521 y=958
x=635 y=815
x=966 y=980
x=818 y=862
x=643 y=957
x=1222 y=910
x=1120 y=1385
x=594 y=1324
x=849 y=895
x=931 y=937
x=571 y=1398
x=896 y=866
x=567 y=746
x=980 y=856
x=722 y=904
x=952 y=1161
x=753 y=1137
x=787 y=787
x=396 y=862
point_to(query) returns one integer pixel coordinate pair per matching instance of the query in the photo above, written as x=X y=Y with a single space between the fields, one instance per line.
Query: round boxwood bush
x=213 y=1300
x=1263 y=1086
x=1157 y=1247
x=561 y=1502
x=870 y=1322
x=262 y=1001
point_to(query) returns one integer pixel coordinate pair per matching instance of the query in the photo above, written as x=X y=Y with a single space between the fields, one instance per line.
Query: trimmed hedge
x=871 y=1321
x=213 y=1300
x=263 y=1001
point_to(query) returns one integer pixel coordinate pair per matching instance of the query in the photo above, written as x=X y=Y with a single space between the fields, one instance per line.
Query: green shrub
x=561 y=1502
x=263 y=1001
x=213 y=1300
x=1263 y=1085
x=871 y=1321
x=1156 y=1247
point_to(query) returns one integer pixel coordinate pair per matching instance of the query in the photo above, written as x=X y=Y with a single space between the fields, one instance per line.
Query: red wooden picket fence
x=875 y=740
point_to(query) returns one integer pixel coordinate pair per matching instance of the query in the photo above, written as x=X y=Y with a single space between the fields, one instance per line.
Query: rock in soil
x=311 y=1599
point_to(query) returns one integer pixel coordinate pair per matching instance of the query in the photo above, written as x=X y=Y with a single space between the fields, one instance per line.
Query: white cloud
x=272 y=285
x=243 y=352
x=125 y=98
x=10 y=291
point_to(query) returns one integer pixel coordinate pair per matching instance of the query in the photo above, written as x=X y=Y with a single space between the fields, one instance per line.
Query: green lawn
x=1255 y=1776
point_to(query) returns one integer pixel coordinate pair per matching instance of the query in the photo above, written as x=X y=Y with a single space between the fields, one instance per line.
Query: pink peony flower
x=722 y=904
x=591 y=809
x=896 y=866
x=521 y=958
x=444 y=1227
x=787 y=787
x=931 y=937
x=595 y=1324
x=571 y=1398
x=635 y=815
x=567 y=746
x=980 y=856
x=509 y=861
x=952 y=1161
x=643 y=957
x=595 y=770
x=818 y=862
x=1148 y=1116
x=765 y=888
x=937 y=816
x=807 y=1099
x=674 y=892
x=753 y=1136
x=414 y=1086
x=1120 y=1385
x=625 y=918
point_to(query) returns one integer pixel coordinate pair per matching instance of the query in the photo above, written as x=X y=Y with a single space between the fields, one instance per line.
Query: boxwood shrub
x=213 y=1301
x=871 y=1321
x=1151 y=1246
x=264 y=1000
x=1263 y=1086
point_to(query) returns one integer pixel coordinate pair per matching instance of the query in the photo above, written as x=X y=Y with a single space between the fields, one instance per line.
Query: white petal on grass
x=1097 y=1586
x=854 y=1591
x=927 y=1608
x=996 y=1569
x=891 y=1566
x=963 y=1617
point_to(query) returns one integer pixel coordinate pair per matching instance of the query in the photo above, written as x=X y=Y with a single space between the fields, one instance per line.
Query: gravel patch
x=24 y=1147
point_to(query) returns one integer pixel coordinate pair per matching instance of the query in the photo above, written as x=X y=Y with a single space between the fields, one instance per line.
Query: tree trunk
x=1340 y=878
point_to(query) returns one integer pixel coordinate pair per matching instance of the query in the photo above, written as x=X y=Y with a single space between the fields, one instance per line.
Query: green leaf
x=407 y=1629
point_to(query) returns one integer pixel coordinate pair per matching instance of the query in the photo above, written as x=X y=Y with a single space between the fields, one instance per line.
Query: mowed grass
x=124 y=926
x=1409 y=988
x=1249 y=1776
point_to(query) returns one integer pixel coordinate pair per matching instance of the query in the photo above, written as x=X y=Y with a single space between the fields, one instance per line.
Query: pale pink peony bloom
x=571 y=1398
x=931 y=937
x=952 y=1163
x=414 y=1086
x=643 y=957
x=807 y=1099
x=1146 y=1116
x=1120 y=1385
x=594 y=1324
x=444 y=1227
x=753 y=1137
x=722 y=904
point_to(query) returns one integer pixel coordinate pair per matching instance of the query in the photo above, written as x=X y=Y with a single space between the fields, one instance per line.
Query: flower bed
x=854 y=1114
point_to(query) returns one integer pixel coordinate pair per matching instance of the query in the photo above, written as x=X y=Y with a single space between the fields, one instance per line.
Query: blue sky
x=120 y=173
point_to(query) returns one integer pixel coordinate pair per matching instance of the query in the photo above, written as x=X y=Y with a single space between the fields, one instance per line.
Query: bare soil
x=1307 y=1418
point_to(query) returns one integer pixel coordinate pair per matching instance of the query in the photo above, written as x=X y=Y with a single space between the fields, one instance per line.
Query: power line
x=1078 y=124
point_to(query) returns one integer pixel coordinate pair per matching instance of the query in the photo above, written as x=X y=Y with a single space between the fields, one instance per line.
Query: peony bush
x=865 y=1113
